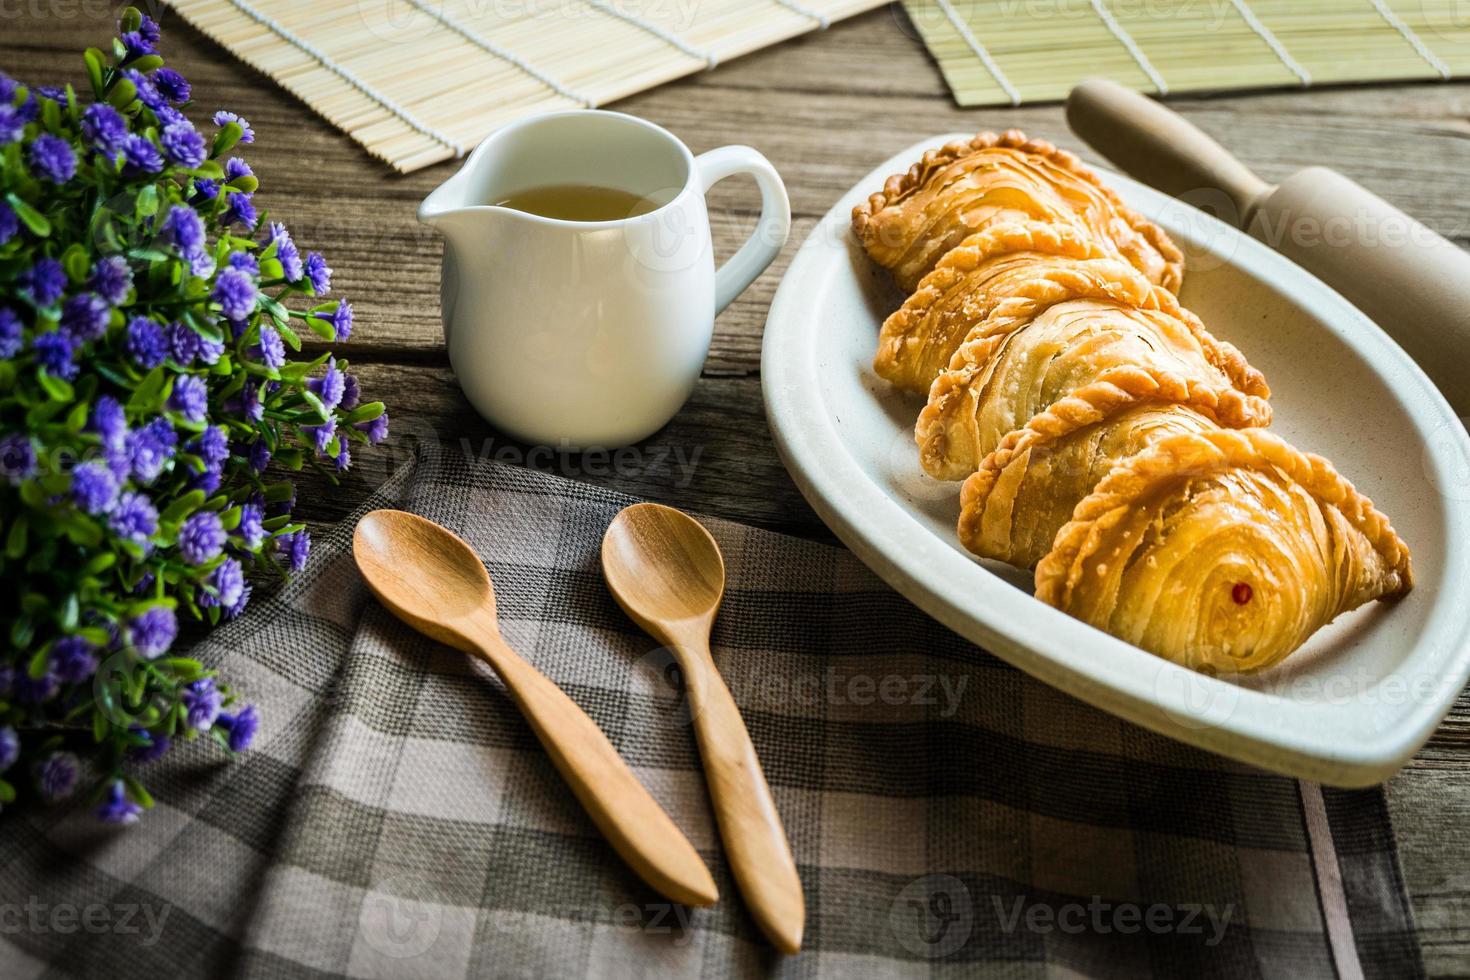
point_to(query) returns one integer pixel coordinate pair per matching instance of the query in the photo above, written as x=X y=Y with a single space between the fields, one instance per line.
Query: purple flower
x=201 y=538
x=208 y=481
x=183 y=144
x=377 y=429
x=245 y=262
x=12 y=124
x=212 y=446
x=233 y=612
x=9 y=223
x=171 y=85
x=227 y=581
x=223 y=119
x=134 y=518
x=10 y=333
x=344 y=457
x=10 y=747
x=260 y=456
x=329 y=387
x=52 y=158
x=340 y=318
x=190 y=397
x=251 y=529
x=55 y=352
x=140 y=156
x=137 y=43
x=286 y=252
x=272 y=350
x=111 y=279
x=351 y=393
x=148 y=29
x=209 y=350
x=150 y=448
x=319 y=273
x=183 y=228
x=43 y=282
x=17 y=457
x=146 y=343
x=93 y=487
x=116 y=808
x=296 y=546
x=73 y=660
x=153 y=632
x=84 y=317
x=204 y=190
x=110 y=422
x=35 y=690
x=322 y=435
x=201 y=701
x=153 y=748
x=236 y=168
x=183 y=343
x=56 y=776
x=239 y=210
x=105 y=128
x=241 y=728
x=235 y=292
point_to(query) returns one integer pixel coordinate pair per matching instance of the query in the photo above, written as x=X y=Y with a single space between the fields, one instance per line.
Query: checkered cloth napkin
x=398 y=819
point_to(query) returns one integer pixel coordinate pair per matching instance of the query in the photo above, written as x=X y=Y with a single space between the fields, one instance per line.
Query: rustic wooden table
x=825 y=109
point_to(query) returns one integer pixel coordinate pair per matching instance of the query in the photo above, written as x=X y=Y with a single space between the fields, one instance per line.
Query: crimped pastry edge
x=1201 y=454
x=1116 y=391
x=1005 y=239
x=899 y=186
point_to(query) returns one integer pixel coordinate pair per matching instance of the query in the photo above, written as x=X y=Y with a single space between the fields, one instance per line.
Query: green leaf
x=129 y=20
x=76 y=419
x=123 y=93
x=147 y=63
x=322 y=328
x=59 y=389
x=289 y=336
x=7 y=793
x=50 y=114
x=208 y=170
x=365 y=413
x=99 y=726
x=75 y=260
x=322 y=411
x=248 y=183
x=15 y=540
x=100 y=564
x=140 y=795
x=22 y=631
x=230 y=519
x=148 y=395
x=36 y=669
x=183 y=507
x=82 y=530
x=37 y=222
x=94 y=60
x=147 y=203
x=226 y=138
x=71 y=611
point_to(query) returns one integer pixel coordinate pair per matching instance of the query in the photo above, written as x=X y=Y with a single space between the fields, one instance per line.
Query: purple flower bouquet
x=147 y=390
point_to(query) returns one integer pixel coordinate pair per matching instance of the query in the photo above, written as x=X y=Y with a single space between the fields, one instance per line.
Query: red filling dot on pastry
x=1241 y=593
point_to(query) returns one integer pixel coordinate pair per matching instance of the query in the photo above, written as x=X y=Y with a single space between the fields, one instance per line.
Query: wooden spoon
x=431 y=580
x=666 y=572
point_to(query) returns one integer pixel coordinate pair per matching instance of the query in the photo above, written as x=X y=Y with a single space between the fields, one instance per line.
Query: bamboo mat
x=994 y=52
x=420 y=81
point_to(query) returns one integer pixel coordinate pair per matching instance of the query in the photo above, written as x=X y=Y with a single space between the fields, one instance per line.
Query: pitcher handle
x=770 y=233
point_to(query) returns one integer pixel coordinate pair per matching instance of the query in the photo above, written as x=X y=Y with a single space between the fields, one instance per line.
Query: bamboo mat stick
x=417 y=82
x=997 y=51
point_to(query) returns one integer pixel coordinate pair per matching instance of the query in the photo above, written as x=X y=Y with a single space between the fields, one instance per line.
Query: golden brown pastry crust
x=957 y=428
x=1356 y=552
x=880 y=225
x=919 y=338
x=1097 y=406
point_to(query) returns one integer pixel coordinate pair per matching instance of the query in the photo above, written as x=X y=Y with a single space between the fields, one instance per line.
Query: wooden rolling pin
x=1412 y=282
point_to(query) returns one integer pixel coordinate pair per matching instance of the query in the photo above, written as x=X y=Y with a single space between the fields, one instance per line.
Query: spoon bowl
x=424 y=573
x=662 y=565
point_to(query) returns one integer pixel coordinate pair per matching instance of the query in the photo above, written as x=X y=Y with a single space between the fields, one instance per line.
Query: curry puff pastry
x=1105 y=437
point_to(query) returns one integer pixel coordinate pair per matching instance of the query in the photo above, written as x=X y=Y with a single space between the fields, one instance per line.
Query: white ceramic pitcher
x=590 y=333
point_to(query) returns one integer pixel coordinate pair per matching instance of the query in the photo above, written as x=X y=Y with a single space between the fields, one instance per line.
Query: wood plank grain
x=825 y=108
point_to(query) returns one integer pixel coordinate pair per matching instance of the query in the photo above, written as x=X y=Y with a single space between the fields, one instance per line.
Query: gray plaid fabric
x=950 y=815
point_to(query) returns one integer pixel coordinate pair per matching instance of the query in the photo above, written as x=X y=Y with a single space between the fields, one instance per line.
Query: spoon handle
x=631 y=820
x=750 y=826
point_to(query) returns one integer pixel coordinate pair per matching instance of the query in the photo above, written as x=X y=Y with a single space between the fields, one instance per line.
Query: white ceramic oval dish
x=1356 y=701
